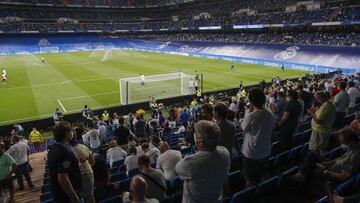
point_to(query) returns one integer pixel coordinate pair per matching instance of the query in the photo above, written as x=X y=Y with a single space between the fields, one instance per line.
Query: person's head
x=112 y=143
x=101 y=173
x=220 y=111
x=292 y=95
x=143 y=162
x=132 y=149
x=145 y=147
x=321 y=97
x=164 y=147
x=105 y=111
x=15 y=139
x=300 y=87
x=34 y=129
x=348 y=136
x=57 y=109
x=257 y=97
x=138 y=188
x=342 y=85
x=206 y=111
x=351 y=84
x=63 y=132
x=281 y=96
x=85 y=106
x=207 y=135
x=2 y=149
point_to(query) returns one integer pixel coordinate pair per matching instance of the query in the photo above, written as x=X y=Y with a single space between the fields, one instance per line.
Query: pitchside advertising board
x=309 y=58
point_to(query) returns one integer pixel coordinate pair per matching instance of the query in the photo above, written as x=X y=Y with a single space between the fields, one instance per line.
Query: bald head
x=138 y=188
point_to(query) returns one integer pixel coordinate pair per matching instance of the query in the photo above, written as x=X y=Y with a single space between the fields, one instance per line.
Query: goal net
x=157 y=86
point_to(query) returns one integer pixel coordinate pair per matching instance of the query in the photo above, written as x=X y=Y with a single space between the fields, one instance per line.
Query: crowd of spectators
x=51 y=19
x=84 y=152
x=316 y=38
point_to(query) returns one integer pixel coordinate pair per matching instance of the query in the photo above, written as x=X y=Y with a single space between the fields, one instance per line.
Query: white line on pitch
x=62 y=106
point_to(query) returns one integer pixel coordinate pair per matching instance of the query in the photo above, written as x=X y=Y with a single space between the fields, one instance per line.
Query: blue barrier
x=309 y=58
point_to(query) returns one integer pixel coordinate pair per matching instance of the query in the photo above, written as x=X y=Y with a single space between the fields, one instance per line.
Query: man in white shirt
x=257 y=125
x=168 y=160
x=354 y=93
x=152 y=152
x=19 y=152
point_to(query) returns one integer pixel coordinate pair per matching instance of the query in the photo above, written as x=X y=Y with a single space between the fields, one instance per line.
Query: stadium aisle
x=33 y=196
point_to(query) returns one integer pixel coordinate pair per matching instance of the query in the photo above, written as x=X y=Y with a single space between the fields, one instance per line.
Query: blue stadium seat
x=275 y=148
x=45 y=188
x=117 y=164
x=297 y=139
x=335 y=153
x=288 y=173
x=305 y=149
x=133 y=172
x=114 y=199
x=306 y=136
x=125 y=184
x=281 y=158
x=295 y=153
x=46 y=196
x=118 y=177
x=323 y=200
x=348 y=185
x=267 y=187
x=186 y=151
x=235 y=181
x=246 y=195
x=236 y=163
x=46 y=181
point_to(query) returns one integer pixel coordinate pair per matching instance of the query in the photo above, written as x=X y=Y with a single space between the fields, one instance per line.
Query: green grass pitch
x=35 y=89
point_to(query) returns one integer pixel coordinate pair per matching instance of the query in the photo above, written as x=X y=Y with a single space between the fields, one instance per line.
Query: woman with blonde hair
x=115 y=153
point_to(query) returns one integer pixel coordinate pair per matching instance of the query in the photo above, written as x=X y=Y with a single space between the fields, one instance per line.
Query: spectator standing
x=321 y=123
x=87 y=177
x=257 y=125
x=206 y=171
x=154 y=178
x=289 y=120
x=115 y=153
x=57 y=116
x=106 y=117
x=227 y=128
x=19 y=152
x=122 y=133
x=341 y=101
x=7 y=169
x=65 y=167
x=36 y=138
x=168 y=160
x=139 y=126
x=92 y=140
x=206 y=112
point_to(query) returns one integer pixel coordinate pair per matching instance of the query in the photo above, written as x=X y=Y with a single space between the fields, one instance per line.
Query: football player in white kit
x=142 y=80
x=3 y=77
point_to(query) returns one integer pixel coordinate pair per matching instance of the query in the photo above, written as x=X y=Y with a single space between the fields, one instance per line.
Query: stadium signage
x=210 y=28
x=256 y=26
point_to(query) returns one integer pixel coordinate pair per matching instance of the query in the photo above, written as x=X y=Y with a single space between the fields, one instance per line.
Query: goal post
x=158 y=86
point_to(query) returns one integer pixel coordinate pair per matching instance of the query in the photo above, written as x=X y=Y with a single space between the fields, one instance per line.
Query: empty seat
x=117 y=164
x=275 y=148
x=133 y=172
x=246 y=195
x=288 y=173
x=118 y=177
x=125 y=184
x=46 y=196
x=295 y=153
x=305 y=149
x=323 y=200
x=280 y=159
x=267 y=187
x=114 y=199
x=235 y=181
x=297 y=139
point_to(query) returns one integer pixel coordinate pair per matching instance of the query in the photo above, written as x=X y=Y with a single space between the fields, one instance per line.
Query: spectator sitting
x=189 y=140
x=168 y=160
x=154 y=178
x=317 y=167
x=103 y=188
x=36 y=138
x=138 y=188
x=152 y=152
x=115 y=153
x=181 y=129
x=227 y=128
x=131 y=160
x=321 y=124
x=257 y=125
x=205 y=172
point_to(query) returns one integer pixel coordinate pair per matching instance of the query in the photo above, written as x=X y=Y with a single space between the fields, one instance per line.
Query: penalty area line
x=61 y=106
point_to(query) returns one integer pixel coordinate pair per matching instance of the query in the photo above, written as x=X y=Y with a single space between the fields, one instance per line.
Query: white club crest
x=289 y=53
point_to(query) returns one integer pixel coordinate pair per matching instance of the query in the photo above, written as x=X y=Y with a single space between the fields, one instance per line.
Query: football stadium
x=180 y=101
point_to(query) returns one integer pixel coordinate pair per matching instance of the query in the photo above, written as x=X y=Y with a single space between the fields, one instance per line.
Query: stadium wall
x=308 y=58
